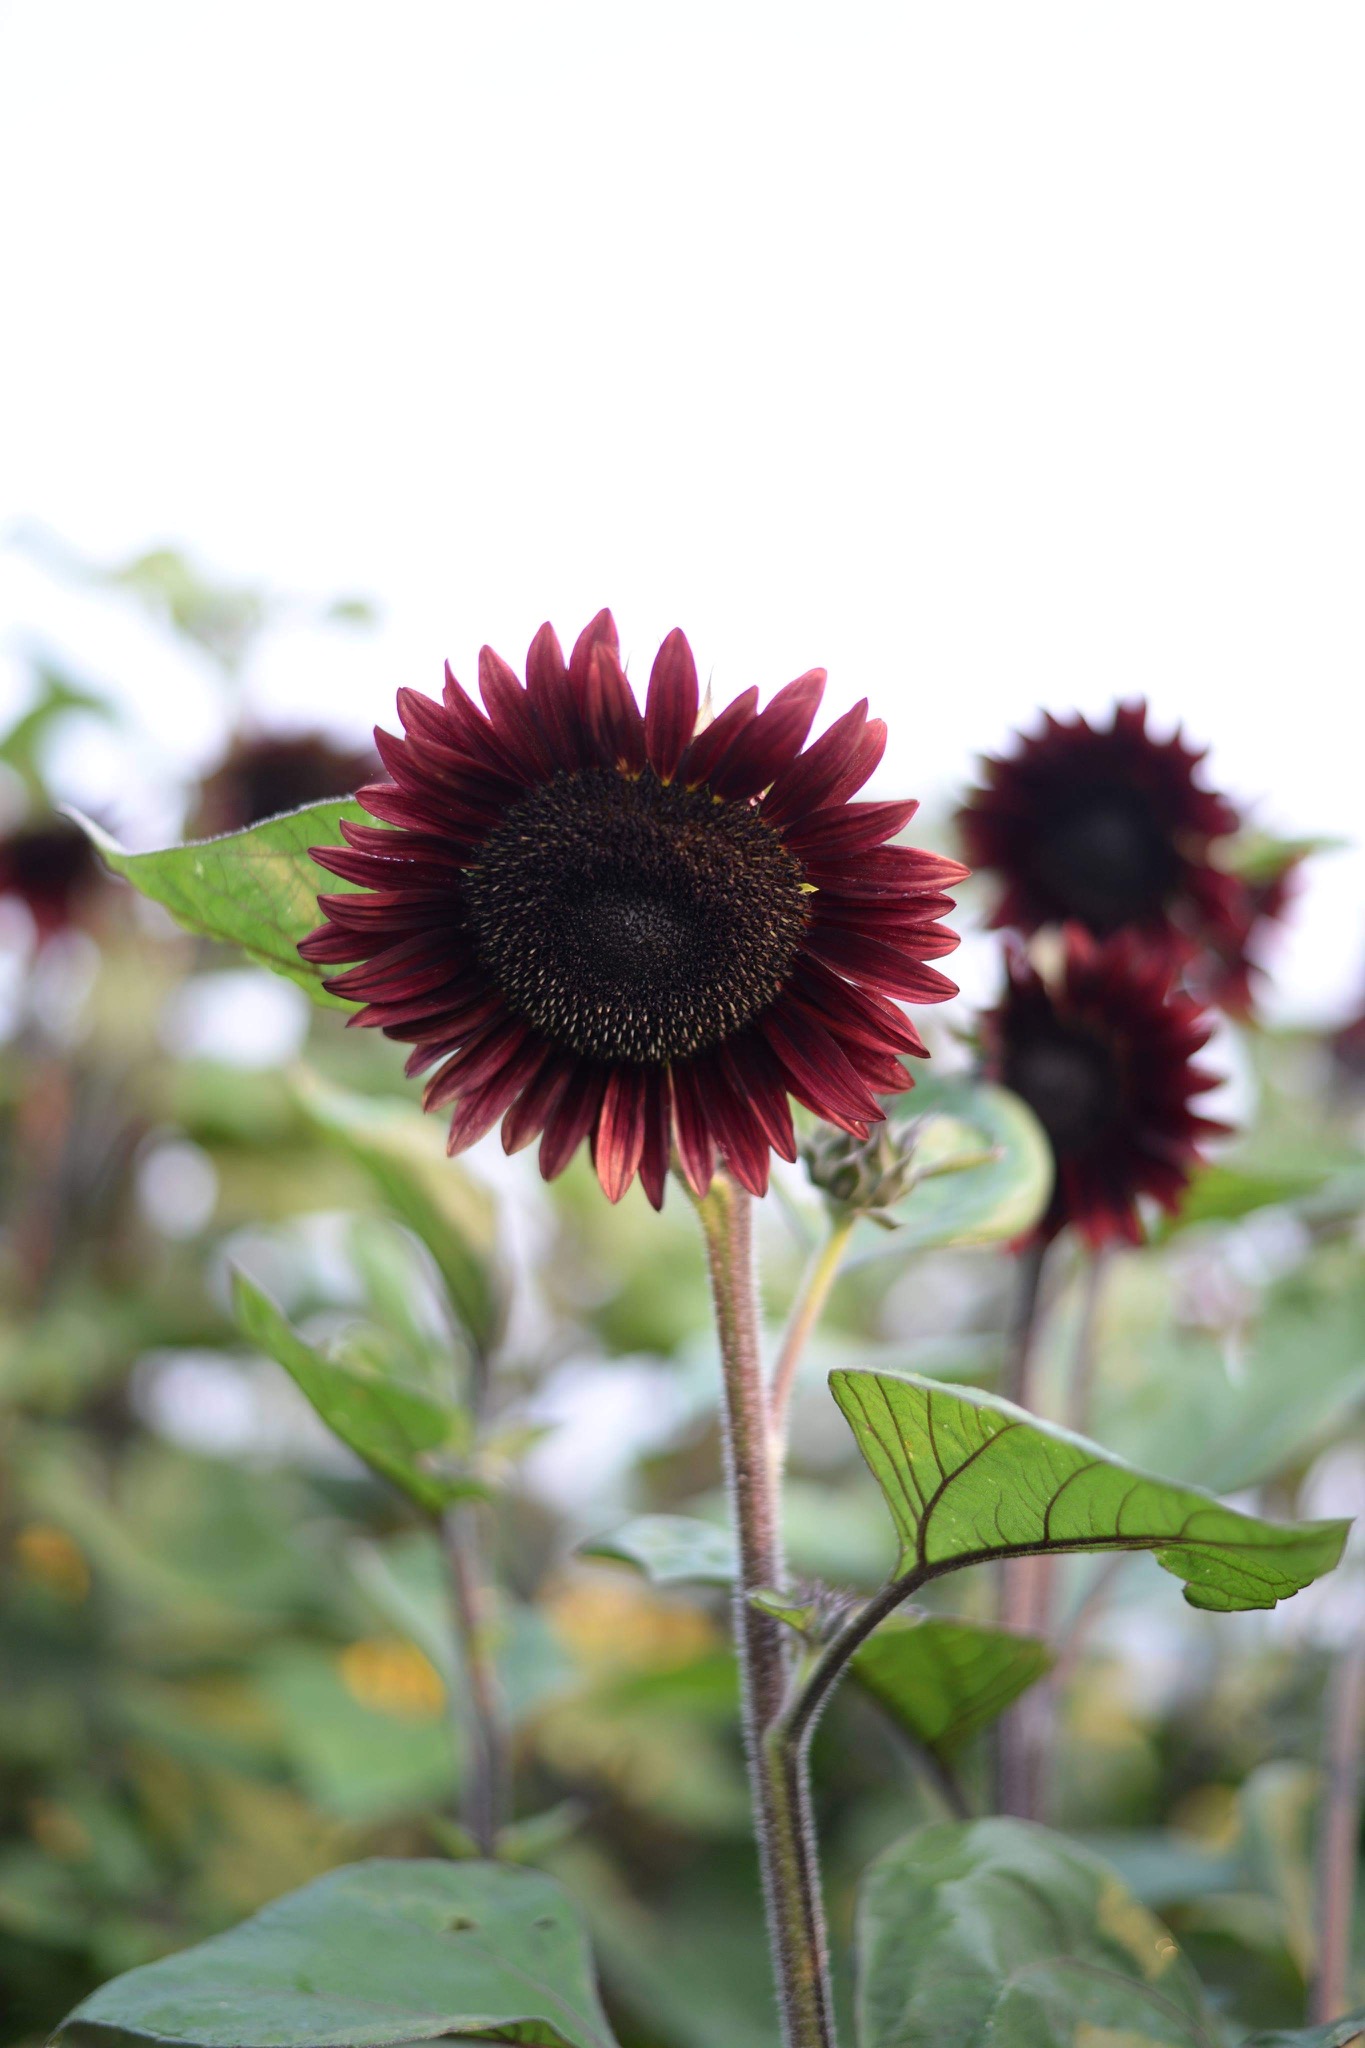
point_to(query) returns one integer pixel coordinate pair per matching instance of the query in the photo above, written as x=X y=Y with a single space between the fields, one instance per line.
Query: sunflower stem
x=1339 y=1836
x=478 y=1716
x=779 y=1784
x=1022 y=1579
x=810 y=1304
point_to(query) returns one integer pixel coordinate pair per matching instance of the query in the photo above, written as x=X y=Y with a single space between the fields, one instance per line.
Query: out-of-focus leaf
x=405 y=1433
x=403 y=1153
x=968 y=1477
x=256 y=890
x=1172 y=1399
x=670 y=1550
x=997 y=1930
x=943 y=1679
x=1001 y=1189
x=1336 y=2034
x=364 y=1728
x=376 y=1953
x=1279 y=1807
x=58 y=697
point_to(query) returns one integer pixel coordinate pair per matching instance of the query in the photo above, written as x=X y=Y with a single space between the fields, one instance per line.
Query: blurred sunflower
x=1104 y=1056
x=1106 y=827
x=49 y=865
x=263 y=774
x=599 y=923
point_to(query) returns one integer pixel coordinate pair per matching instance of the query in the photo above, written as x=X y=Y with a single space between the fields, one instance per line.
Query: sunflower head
x=263 y=774
x=596 y=922
x=1103 y=1053
x=48 y=864
x=1105 y=827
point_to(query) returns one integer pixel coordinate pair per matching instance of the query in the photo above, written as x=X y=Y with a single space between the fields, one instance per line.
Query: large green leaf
x=257 y=890
x=670 y=1550
x=989 y=1172
x=998 y=1932
x=943 y=1679
x=969 y=1477
x=376 y=1953
x=404 y=1154
x=403 y=1432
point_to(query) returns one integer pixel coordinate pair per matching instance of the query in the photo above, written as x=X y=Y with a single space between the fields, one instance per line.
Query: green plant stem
x=810 y=1304
x=478 y=1713
x=1339 y=1836
x=1081 y=1381
x=777 y=1778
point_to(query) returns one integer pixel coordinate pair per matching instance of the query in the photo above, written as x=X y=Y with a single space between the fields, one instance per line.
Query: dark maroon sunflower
x=50 y=866
x=265 y=773
x=1105 y=827
x=596 y=923
x=1105 y=1059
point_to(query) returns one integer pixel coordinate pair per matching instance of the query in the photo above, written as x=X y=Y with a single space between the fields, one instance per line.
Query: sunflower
x=49 y=865
x=262 y=774
x=597 y=923
x=1106 y=827
x=1104 y=1056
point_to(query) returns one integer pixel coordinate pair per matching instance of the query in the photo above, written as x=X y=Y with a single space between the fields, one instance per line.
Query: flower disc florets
x=1103 y=1053
x=596 y=923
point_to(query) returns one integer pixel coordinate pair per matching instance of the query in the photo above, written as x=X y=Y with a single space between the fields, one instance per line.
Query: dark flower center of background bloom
x=631 y=919
x=1106 y=860
x=1070 y=1082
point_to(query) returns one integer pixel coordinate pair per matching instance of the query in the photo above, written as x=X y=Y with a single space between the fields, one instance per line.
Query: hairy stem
x=478 y=1713
x=1339 y=1839
x=810 y=1304
x=1023 y=1581
x=777 y=1779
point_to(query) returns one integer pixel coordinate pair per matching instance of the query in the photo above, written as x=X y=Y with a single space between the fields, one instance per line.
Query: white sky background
x=990 y=354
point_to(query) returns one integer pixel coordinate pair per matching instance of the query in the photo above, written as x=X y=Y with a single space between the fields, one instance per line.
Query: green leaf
x=943 y=1679
x=373 y=1954
x=989 y=1178
x=997 y=1931
x=969 y=1477
x=670 y=1550
x=402 y=1432
x=257 y=889
x=1336 y=2034
x=403 y=1153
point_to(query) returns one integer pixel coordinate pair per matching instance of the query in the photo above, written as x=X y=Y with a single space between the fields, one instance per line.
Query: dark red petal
x=898 y=919
x=401 y=971
x=858 y=1015
x=474 y=733
x=547 y=686
x=739 y=1133
x=839 y=762
x=510 y=714
x=753 y=1072
x=372 y=871
x=619 y=1140
x=771 y=742
x=841 y=829
x=671 y=705
x=478 y=1111
x=483 y=1054
x=696 y=1145
x=526 y=1119
x=573 y=1116
x=884 y=966
x=885 y=871
x=819 y=1073
x=658 y=1136
x=714 y=740
x=615 y=726
x=599 y=632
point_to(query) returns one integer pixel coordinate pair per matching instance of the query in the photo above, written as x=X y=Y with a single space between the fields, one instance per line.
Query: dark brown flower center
x=1106 y=860
x=632 y=919
x=1071 y=1083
